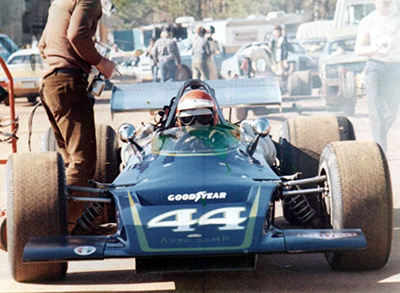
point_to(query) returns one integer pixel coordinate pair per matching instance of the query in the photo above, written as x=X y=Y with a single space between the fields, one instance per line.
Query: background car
x=127 y=65
x=26 y=68
x=339 y=70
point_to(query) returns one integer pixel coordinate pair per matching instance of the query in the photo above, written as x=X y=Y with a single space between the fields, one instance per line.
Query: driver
x=197 y=108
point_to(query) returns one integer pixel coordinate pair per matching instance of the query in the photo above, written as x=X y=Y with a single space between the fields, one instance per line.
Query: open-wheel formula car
x=197 y=192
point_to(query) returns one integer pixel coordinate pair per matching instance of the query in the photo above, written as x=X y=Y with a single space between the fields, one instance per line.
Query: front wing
x=214 y=228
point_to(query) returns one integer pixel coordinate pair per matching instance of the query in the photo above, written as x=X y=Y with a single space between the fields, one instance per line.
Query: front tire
x=37 y=206
x=360 y=196
x=302 y=141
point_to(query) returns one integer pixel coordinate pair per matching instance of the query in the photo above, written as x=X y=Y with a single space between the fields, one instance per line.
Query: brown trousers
x=70 y=112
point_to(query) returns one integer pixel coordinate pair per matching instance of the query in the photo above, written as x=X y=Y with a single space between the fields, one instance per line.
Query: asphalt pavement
x=275 y=273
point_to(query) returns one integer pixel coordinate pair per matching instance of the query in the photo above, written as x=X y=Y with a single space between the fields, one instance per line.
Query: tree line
x=142 y=12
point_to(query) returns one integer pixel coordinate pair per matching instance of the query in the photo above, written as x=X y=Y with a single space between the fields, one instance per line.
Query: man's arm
x=208 y=49
x=154 y=51
x=42 y=44
x=364 y=46
x=79 y=31
x=80 y=36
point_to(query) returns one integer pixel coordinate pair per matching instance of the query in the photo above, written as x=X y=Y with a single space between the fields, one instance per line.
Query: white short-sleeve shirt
x=382 y=29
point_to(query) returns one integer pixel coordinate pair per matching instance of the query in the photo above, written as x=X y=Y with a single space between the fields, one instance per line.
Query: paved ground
x=275 y=273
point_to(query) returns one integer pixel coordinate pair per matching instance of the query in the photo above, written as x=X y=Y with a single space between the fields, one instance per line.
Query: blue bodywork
x=196 y=192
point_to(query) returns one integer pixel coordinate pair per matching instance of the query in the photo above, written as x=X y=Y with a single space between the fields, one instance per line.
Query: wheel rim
x=327 y=196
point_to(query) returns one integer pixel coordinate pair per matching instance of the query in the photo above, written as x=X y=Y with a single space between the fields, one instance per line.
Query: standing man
x=214 y=47
x=279 y=48
x=67 y=46
x=153 y=61
x=201 y=55
x=378 y=38
x=166 y=51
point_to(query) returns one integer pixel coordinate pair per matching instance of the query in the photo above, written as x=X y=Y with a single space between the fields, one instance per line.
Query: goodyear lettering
x=201 y=195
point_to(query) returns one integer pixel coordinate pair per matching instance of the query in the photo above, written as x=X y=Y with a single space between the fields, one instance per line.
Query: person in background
x=340 y=49
x=166 y=52
x=201 y=54
x=256 y=59
x=214 y=47
x=378 y=38
x=68 y=48
x=153 y=60
x=280 y=49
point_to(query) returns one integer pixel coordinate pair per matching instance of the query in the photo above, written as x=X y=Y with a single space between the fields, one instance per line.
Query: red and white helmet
x=197 y=105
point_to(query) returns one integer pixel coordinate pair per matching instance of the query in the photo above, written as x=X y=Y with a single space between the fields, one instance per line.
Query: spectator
x=153 y=61
x=201 y=55
x=214 y=47
x=69 y=50
x=166 y=52
x=340 y=49
x=378 y=38
x=256 y=59
x=280 y=49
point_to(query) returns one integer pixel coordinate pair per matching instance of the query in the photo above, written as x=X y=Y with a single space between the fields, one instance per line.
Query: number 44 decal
x=183 y=219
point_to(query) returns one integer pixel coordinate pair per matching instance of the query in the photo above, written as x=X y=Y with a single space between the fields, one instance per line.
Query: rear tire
x=241 y=113
x=3 y=233
x=183 y=73
x=37 y=206
x=349 y=93
x=360 y=196
x=32 y=98
x=302 y=141
x=299 y=83
x=49 y=142
x=107 y=168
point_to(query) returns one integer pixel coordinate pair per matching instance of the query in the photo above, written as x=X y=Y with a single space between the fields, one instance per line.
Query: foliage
x=142 y=12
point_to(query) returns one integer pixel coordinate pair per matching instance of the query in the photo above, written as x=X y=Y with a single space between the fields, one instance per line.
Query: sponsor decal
x=182 y=220
x=201 y=195
x=205 y=240
x=85 y=250
x=327 y=235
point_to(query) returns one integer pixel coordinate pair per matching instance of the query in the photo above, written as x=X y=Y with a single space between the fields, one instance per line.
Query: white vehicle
x=350 y=12
x=26 y=67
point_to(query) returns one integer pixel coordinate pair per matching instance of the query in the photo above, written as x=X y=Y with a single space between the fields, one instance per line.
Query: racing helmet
x=197 y=107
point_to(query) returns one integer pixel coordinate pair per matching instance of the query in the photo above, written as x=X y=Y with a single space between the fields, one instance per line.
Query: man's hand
x=106 y=67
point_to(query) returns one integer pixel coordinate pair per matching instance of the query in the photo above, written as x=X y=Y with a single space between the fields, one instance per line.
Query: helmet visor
x=202 y=119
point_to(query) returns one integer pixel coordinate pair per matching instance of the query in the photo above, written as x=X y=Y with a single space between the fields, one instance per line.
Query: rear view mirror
x=126 y=132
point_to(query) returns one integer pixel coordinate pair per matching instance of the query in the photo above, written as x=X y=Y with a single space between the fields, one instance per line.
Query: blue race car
x=197 y=192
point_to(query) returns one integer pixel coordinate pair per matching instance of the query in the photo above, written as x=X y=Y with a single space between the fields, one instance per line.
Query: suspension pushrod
x=302 y=191
x=316 y=179
x=90 y=199
x=87 y=189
